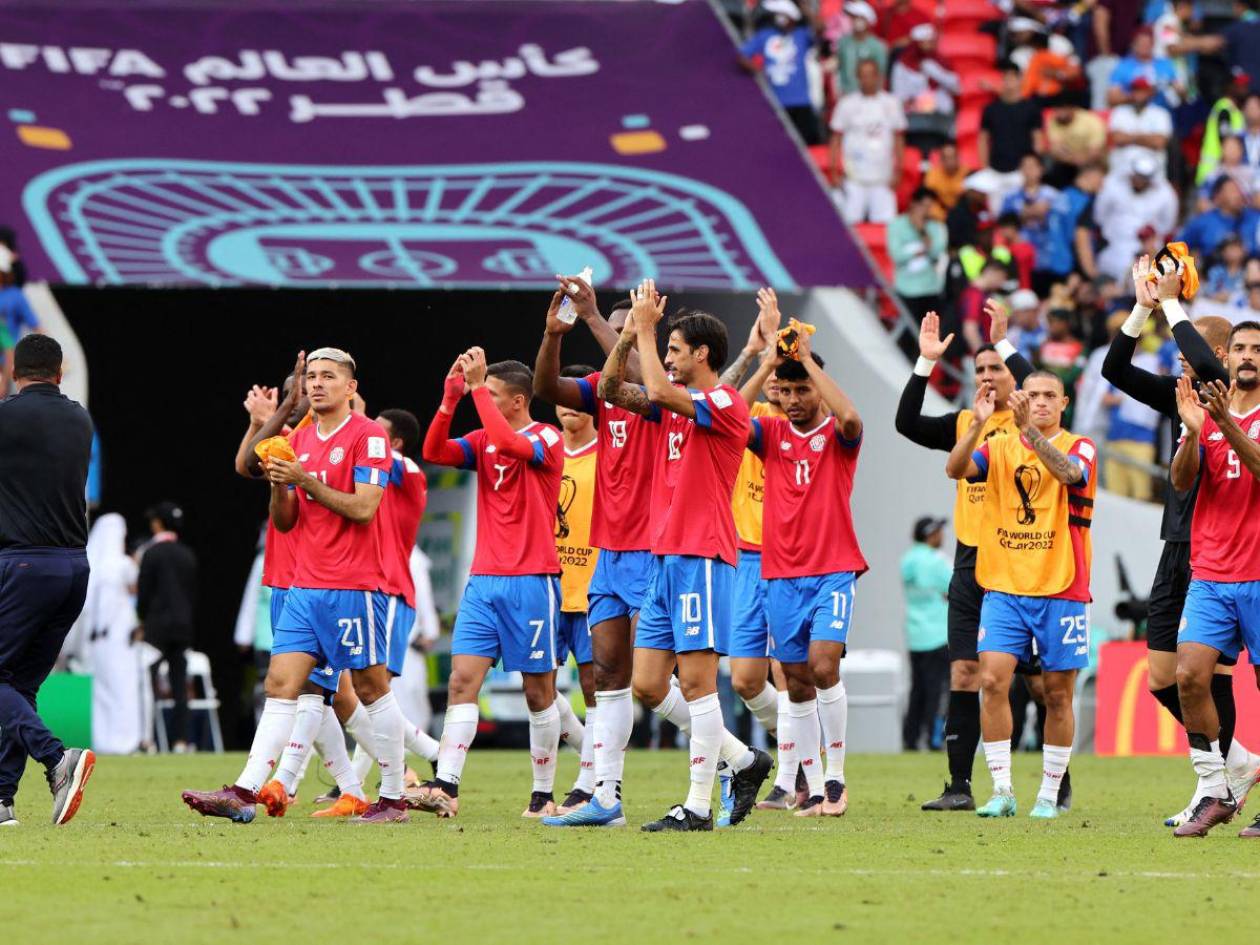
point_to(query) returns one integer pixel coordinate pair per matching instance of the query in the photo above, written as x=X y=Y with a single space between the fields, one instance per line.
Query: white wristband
x=1005 y=349
x=1174 y=312
x=1136 y=321
x=924 y=366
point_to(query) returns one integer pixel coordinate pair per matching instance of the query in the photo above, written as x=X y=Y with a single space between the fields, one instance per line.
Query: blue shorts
x=618 y=585
x=801 y=610
x=688 y=605
x=750 y=633
x=509 y=617
x=573 y=635
x=1055 y=630
x=1223 y=616
x=400 y=619
x=340 y=629
x=278 y=594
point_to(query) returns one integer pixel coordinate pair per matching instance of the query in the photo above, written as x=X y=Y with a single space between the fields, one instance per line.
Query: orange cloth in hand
x=1180 y=254
x=788 y=344
x=275 y=447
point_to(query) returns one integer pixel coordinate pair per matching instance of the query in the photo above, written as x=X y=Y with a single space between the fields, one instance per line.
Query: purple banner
x=426 y=144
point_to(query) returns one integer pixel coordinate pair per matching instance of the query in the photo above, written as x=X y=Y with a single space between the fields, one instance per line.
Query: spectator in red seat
x=946 y=178
x=869 y=127
x=781 y=52
x=1124 y=206
x=1140 y=127
x=897 y=21
x=919 y=248
x=1010 y=127
x=861 y=44
x=1075 y=137
x=921 y=80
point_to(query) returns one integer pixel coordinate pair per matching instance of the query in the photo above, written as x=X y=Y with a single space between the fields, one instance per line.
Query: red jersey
x=279 y=557
x=809 y=481
x=403 y=507
x=697 y=462
x=623 y=473
x=1225 y=534
x=516 y=503
x=332 y=551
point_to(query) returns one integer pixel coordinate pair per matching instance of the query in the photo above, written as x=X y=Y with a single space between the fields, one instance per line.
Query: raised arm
x=934 y=433
x=763 y=334
x=260 y=404
x=548 y=384
x=612 y=385
x=438 y=447
x=1060 y=465
x=498 y=431
x=1185 y=464
x=960 y=464
x=647 y=312
x=848 y=421
x=753 y=386
x=587 y=308
x=999 y=321
x=1216 y=398
x=248 y=463
x=1198 y=353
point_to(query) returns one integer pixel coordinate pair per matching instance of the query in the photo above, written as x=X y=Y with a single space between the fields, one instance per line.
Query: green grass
x=137 y=866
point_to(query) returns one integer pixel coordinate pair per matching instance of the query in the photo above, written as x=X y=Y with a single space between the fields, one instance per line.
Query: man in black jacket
x=45 y=444
x=166 y=598
x=1203 y=347
x=998 y=366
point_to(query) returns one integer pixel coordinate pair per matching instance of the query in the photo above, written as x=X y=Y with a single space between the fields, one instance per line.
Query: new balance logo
x=837 y=625
x=536 y=654
x=693 y=631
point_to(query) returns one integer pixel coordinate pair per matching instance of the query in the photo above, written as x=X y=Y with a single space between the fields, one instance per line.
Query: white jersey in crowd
x=868 y=123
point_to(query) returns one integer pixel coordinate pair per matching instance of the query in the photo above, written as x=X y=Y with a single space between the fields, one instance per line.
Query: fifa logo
x=1027 y=483
x=568 y=492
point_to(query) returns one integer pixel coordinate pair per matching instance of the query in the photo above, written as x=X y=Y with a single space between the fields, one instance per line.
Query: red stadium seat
x=969 y=14
x=966 y=51
x=967 y=124
x=875 y=238
x=911 y=176
x=979 y=87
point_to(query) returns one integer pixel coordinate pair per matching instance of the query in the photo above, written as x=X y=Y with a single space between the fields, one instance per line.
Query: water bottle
x=567 y=313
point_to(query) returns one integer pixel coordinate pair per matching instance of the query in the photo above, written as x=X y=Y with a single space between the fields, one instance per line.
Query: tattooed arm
x=1060 y=466
x=612 y=380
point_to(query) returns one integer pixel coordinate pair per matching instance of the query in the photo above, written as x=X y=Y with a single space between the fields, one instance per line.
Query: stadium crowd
x=1031 y=151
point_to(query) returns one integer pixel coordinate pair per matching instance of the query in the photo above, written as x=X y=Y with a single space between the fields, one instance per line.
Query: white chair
x=198 y=671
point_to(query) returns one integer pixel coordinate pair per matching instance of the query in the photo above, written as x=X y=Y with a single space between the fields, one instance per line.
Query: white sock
x=997 y=756
x=765 y=707
x=359 y=727
x=572 y=732
x=274 y=726
x=734 y=753
x=1210 y=767
x=387 y=723
x=362 y=761
x=330 y=742
x=706 y=741
x=1054 y=761
x=310 y=712
x=785 y=777
x=610 y=734
x=586 y=767
x=419 y=742
x=673 y=709
x=544 y=743
x=833 y=713
x=807 y=728
x=1240 y=759
x=306 y=762
x=458 y=732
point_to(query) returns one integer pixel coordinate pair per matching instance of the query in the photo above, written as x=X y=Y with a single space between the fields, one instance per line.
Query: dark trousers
x=177 y=675
x=41 y=595
x=929 y=680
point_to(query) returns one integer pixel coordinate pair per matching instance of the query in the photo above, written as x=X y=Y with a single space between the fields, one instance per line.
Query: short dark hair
x=621 y=304
x=1219 y=184
x=1008 y=65
x=923 y=193
x=1050 y=375
x=793 y=370
x=983 y=348
x=37 y=357
x=515 y=375
x=576 y=370
x=405 y=426
x=169 y=514
x=1009 y=219
x=701 y=328
x=1243 y=326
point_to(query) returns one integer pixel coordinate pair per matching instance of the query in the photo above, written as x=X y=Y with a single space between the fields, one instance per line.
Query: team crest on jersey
x=337 y=455
x=304 y=457
x=490 y=448
x=1215 y=435
x=785 y=445
x=817 y=442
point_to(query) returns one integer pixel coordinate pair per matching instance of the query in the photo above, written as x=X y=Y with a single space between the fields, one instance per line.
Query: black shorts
x=965 y=598
x=1168 y=599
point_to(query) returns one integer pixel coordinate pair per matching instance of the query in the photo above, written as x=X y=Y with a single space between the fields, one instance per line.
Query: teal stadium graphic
x=463 y=225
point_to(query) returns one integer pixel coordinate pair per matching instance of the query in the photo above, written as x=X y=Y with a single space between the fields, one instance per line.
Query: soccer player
x=686 y=615
x=620 y=531
x=1203 y=350
x=750 y=632
x=334 y=612
x=1222 y=610
x=511 y=602
x=577 y=563
x=1033 y=561
x=1001 y=371
x=810 y=459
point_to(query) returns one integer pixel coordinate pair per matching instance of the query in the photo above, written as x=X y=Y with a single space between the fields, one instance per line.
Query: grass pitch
x=137 y=866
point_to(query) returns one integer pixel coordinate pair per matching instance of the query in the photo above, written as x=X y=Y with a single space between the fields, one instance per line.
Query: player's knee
x=964 y=675
x=280 y=686
x=462 y=687
x=993 y=683
x=747 y=686
x=369 y=690
x=825 y=673
x=800 y=689
x=1191 y=680
x=1058 y=699
x=610 y=678
x=540 y=692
